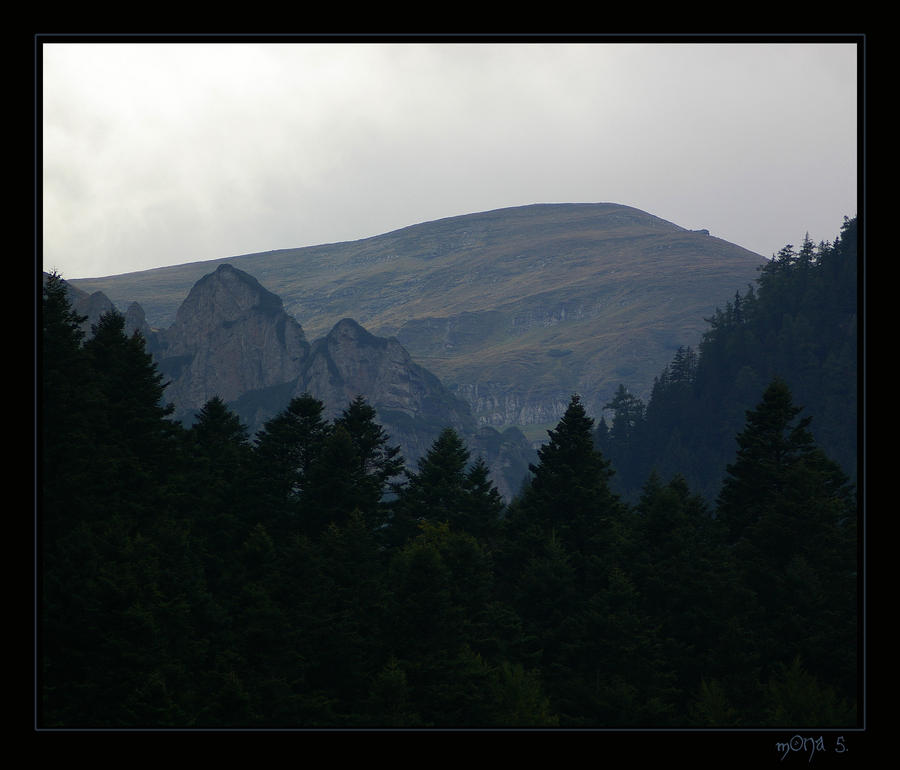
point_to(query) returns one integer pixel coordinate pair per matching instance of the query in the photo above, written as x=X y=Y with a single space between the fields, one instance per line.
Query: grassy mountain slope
x=514 y=309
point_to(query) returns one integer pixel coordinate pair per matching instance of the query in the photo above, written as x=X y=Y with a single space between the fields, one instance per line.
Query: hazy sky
x=164 y=153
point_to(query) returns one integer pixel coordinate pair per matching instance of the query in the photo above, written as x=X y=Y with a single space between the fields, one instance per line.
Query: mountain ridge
x=481 y=298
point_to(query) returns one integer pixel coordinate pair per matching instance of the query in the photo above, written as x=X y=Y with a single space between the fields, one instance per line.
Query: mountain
x=513 y=309
x=349 y=361
x=232 y=338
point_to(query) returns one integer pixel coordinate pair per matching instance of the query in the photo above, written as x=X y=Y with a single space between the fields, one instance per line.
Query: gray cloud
x=170 y=153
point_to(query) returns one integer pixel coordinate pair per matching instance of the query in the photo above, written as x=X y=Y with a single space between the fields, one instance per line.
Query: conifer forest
x=691 y=562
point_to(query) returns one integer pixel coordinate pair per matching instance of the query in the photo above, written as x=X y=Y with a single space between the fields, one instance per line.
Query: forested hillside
x=799 y=323
x=198 y=577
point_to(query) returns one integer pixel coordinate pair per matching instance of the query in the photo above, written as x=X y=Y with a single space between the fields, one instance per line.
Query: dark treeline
x=799 y=323
x=195 y=577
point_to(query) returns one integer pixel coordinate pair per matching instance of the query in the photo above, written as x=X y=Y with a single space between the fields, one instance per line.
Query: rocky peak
x=226 y=295
x=230 y=336
x=350 y=361
x=348 y=332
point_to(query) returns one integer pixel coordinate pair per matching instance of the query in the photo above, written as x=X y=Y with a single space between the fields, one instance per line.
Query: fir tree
x=440 y=585
x=377 y=465
x=483 y=507
x=790 y=514
x=688 y=584
x=628 y=413
x=123 y=594
x=779 y=463
x=569 y=491
x=435 y=492
x=283 y=456
x=336 y=484
x=216 y=459
x=137 y=446
x=69 y=397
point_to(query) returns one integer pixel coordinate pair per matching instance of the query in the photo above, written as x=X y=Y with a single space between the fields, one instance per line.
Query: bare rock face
x=230 y=336
x=498 y=404
x=412 y=404
x=350 y=361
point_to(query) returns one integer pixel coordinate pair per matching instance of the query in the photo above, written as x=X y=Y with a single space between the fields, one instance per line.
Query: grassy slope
x=480 y=298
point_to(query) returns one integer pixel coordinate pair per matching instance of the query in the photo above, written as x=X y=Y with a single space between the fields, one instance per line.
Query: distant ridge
x=514 y=309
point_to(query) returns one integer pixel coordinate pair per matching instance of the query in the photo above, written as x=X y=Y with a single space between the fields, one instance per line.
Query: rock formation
x=230 y=336
x=233 y=338
x=412 y=404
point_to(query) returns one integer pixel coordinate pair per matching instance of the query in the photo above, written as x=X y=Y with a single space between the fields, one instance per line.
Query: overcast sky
x=165 y=153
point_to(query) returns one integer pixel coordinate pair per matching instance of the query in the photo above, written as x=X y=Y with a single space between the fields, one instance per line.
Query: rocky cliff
x=412 y=404
x=350 y=360
x=230 y=336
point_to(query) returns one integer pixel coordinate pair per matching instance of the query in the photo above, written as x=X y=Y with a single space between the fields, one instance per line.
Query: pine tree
x=340 y=622
x=687 y=583
x=218 y=439
x=389 y=700
x=790 y=514
x=797 y=699
x=436 y=492
x=777 y=466
x=288 y=443
x=569 y=493
x=440 y=586
x=422 y=619
x=336 y=485
x=625 y=437
x=483 y=506
x=69 y=396
x=123 y=593
x=137 y=446
x=628 y=413
x=216 y=469
x=283 y=456
x=377 y=465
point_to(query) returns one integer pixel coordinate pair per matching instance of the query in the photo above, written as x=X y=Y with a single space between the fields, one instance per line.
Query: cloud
x=164 y=153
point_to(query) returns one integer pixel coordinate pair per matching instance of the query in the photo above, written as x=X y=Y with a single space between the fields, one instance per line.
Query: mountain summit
x=230 y=336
